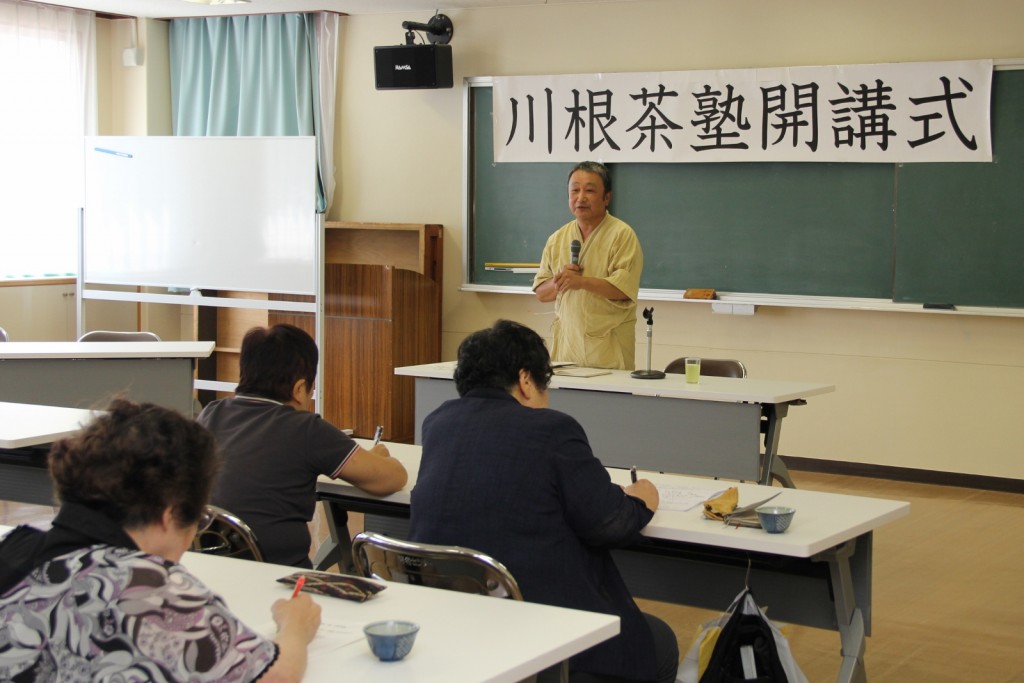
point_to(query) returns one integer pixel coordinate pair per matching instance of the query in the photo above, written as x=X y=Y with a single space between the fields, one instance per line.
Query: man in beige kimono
x=595 y=298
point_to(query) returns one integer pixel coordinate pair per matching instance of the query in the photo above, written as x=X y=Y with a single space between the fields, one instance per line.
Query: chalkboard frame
x=874 y=298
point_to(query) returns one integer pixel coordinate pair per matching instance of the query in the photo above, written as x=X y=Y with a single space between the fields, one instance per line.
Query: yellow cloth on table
x=722 y=504
x=723 y=508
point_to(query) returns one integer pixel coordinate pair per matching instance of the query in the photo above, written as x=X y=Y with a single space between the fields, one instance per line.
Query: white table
x=26 y=431
x=337 y=548
x=24 y=424
x=707 y=429
x=89 y=374
x=462 y=637
x=818 y=573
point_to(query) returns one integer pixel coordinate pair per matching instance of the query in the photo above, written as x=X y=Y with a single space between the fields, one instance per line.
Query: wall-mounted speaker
x=403 y=67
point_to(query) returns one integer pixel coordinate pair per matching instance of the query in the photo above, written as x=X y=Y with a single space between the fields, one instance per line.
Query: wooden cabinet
x=382 y=310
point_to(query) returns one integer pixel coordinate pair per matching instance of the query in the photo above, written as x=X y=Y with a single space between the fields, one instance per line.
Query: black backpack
x=750 y=632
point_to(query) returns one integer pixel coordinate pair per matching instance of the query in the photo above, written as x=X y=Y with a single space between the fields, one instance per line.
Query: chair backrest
x=443 y=566
x=227 y=536
x=3 y=335
x=710 y=367
x=437 y=566
x=111 y=336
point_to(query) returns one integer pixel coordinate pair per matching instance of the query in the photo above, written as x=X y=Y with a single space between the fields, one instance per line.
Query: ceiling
x=165 y=9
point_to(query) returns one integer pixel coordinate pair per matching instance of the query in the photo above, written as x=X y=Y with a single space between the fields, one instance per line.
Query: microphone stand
x=648 y=373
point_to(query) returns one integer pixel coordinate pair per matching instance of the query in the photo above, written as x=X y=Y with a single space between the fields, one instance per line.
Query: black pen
x=377 y=434
x=632 y=474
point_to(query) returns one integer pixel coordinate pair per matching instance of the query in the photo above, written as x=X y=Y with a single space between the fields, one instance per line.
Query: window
x=46 y=66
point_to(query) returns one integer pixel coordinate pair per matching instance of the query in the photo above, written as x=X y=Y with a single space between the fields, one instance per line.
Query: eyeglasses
x=205 y=520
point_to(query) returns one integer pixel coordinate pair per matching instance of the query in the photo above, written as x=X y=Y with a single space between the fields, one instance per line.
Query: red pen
x=298 y=586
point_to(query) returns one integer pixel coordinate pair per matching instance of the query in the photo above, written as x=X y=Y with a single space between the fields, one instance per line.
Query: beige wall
x=135 y=100
x=20 y=308
x=929 y=391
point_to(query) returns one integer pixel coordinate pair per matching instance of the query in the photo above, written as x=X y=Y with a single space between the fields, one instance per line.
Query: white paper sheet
x=330 y=636
x=684 y=498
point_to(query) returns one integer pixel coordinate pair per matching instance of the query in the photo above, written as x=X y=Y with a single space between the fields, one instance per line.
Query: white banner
x=914 y=112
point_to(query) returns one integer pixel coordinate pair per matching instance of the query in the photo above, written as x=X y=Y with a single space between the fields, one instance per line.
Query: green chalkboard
x=943 y=233
x=961 y=226
x=813 y=229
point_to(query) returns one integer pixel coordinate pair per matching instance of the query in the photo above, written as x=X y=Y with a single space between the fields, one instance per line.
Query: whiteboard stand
x=195 y=299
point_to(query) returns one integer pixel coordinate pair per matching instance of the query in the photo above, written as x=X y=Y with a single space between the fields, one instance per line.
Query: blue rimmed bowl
x=391 y=640
x=775 y=519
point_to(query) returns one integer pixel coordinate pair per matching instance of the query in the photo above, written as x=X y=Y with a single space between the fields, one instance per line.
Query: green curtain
x=254 y=75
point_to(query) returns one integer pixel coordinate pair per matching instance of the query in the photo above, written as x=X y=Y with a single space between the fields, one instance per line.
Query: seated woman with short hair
x=505 y=475
x=102 y=595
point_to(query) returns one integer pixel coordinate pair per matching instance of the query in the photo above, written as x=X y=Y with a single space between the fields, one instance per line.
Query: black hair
x=134 y=461
x=492 y=358
x=594 y=167
x=275 y=358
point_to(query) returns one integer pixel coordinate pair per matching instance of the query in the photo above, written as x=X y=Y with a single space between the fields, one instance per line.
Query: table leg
x=780 y=473
x=337 y=547
x=772 y=467
x=849 y=617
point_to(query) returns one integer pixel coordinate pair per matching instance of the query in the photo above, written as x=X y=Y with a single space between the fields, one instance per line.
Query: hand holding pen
x=642 y=489
x=297 y=618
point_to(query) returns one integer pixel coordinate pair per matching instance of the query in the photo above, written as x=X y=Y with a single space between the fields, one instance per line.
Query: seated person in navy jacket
x=503 y=474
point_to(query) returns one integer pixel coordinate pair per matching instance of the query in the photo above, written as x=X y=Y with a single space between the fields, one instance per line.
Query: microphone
x=574 y=252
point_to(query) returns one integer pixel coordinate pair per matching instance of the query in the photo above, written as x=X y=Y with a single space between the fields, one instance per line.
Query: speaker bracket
x=439 y=30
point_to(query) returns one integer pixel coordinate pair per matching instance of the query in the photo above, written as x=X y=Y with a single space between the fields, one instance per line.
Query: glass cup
x=693 y=370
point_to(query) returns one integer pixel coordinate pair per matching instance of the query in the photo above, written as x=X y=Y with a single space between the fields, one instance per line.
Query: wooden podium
x=382 y=310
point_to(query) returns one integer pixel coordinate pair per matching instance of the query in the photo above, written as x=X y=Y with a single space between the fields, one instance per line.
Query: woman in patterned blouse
x=101 y=596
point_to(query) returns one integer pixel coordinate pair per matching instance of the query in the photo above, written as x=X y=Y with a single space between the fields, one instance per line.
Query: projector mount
x=439 y=30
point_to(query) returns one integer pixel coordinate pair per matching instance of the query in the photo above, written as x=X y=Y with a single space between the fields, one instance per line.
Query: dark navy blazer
x=522 y=485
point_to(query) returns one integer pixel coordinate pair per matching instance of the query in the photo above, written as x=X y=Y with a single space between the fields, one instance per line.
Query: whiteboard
x=230 y=213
